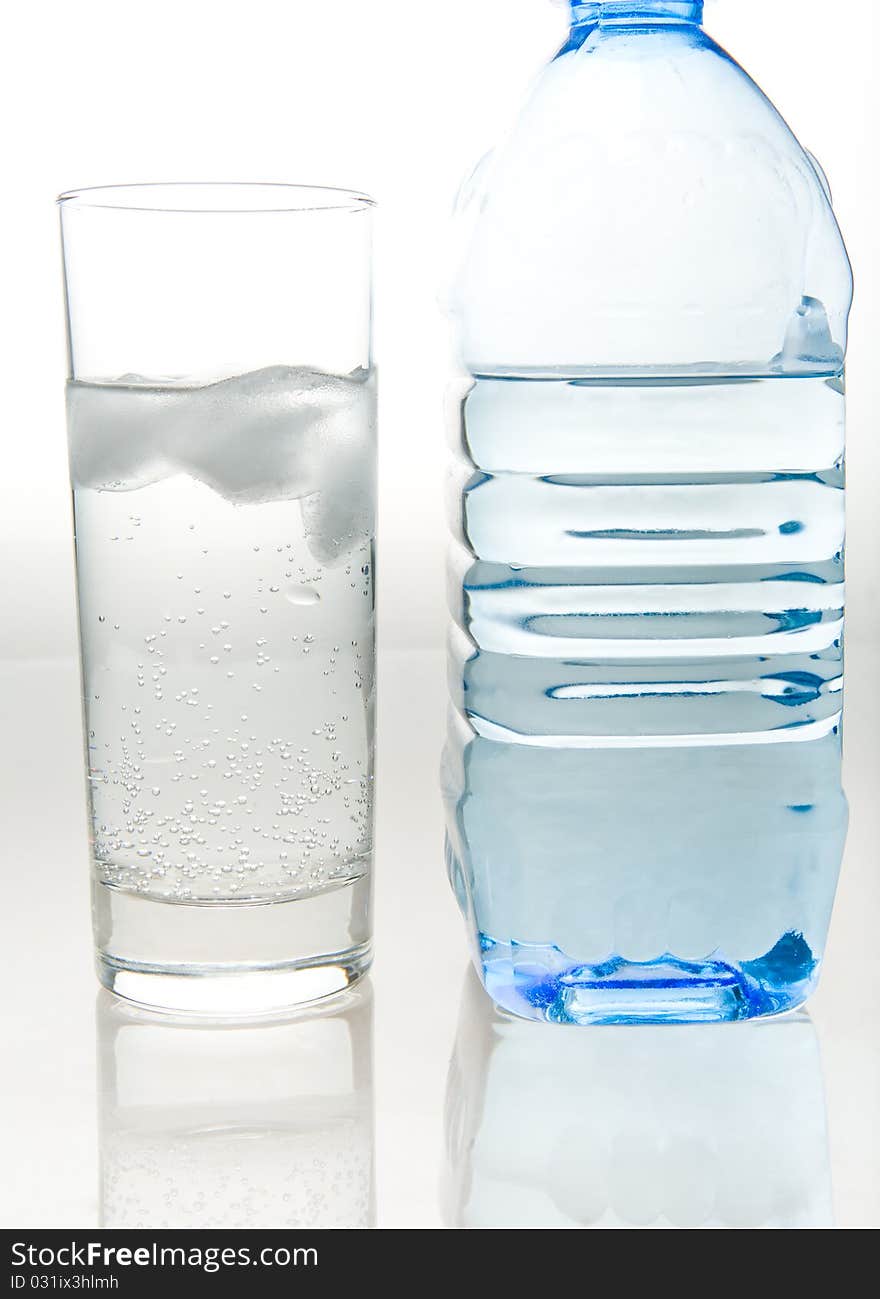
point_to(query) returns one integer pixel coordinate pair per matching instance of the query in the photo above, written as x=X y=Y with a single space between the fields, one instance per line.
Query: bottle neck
x=642 y=13
x=584 y=20
x=587 y=15
x=583 y=14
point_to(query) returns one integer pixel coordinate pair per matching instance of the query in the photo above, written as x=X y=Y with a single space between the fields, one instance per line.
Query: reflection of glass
x=651 y=1126
x=253 y=1124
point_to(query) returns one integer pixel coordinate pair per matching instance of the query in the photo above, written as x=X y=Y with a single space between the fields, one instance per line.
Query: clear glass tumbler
x=221 y=422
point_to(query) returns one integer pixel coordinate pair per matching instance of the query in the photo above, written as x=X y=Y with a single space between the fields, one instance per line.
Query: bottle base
x=538 y=983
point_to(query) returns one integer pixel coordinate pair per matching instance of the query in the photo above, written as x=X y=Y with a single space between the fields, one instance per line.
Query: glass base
x=535 y=982
x=236 y=959
x=219 y=993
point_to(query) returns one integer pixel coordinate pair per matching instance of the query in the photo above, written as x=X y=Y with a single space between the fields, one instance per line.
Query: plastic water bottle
x=642 y=775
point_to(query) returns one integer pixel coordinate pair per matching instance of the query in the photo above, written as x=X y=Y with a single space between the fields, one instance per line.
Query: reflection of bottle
x=661 y=1127
x=260 y=1124
x=642 y=775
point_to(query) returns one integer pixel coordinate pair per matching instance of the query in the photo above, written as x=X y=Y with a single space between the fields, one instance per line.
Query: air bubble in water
x=302 y=595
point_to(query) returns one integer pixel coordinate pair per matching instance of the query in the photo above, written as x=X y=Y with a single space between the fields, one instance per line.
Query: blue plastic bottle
x=642 y=775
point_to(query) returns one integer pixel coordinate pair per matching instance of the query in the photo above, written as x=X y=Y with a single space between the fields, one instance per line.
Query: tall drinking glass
x=221 y=423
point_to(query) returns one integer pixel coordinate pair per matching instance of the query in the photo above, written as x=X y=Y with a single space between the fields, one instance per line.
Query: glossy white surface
x=798 y=1144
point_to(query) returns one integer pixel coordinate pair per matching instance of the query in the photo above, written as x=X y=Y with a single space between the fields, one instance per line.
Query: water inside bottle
x=643 y=767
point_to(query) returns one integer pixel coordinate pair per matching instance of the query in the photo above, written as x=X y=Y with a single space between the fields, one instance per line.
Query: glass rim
x=253 y=197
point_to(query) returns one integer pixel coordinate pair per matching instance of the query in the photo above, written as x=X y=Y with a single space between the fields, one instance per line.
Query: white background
x=397 y=98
